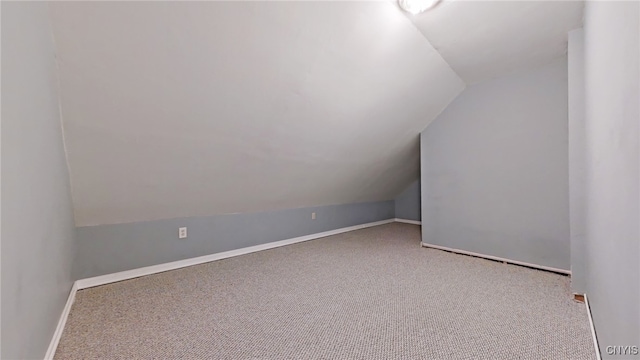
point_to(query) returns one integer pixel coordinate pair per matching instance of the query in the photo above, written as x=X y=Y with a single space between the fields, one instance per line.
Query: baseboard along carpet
x=367 y=294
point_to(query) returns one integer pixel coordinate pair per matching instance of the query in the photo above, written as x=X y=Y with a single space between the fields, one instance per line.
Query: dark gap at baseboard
x=501 y=261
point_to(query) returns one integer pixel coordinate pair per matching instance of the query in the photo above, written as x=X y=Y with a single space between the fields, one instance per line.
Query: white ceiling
x=485 y=39
x=175 y=109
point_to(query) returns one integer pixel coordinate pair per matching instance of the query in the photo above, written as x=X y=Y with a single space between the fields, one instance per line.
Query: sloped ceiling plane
x=200 y=108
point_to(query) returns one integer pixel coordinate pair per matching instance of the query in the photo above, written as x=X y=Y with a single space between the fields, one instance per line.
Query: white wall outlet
x=313 y=216
x=182 y=233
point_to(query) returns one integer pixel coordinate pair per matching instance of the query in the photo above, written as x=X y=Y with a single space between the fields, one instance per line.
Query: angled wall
x=183 y=109
x=494 y=169
x=612 y=76
x=237 y=120
x=37 y=219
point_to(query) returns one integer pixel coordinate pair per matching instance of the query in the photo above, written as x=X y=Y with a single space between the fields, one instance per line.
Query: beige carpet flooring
x=367 y=294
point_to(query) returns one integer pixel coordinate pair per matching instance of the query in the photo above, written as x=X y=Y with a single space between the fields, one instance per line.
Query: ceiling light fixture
x=417 y=6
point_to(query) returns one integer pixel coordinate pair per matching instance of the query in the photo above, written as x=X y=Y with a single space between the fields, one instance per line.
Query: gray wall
x=577 y=160
x=494 y=169
x=110 y=248
x=408 y=202
x=611 y=34
x=37 y=222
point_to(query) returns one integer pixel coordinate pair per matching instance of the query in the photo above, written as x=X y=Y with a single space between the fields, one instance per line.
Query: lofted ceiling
x=174 y=109
x=485 y=39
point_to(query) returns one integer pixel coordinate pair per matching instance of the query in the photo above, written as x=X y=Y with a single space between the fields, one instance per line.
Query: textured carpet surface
x=367 y=294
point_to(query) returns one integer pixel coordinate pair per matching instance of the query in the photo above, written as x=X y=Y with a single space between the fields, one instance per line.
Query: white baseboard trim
x=131 y=274
x=135 y=273
x=593 y=329
x=491 y=257
x=51 y=351
x=414 y=222
x=148 y=270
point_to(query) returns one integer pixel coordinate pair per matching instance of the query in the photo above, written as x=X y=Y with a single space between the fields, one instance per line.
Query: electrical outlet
x=182 y=233
x=313 y=216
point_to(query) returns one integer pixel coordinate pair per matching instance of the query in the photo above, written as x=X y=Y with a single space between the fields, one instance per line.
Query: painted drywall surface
x=577 y=160
x=486 y=39
x=37 y=219
x=408 y=202
x=611 y=35
x=494 y=169
x=180 y=109
x=105 y=249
